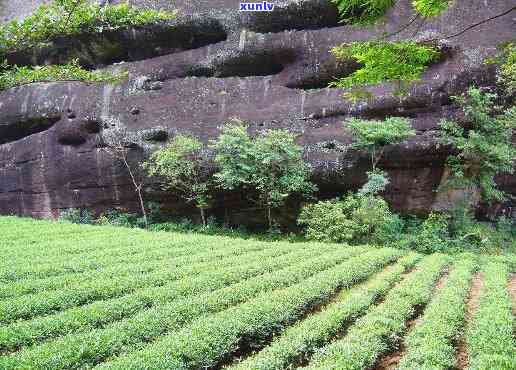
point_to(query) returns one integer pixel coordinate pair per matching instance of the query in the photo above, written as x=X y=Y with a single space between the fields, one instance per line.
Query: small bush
x=402 y=61
x=326 y=221
x=77 y=216
x=355 y=219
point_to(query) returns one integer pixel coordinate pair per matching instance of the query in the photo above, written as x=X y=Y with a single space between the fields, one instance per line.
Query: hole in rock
x=155 y=135
x=299 y=15
x=22 y=129
x=319 y=75
x=253 y=63
x=92 y=127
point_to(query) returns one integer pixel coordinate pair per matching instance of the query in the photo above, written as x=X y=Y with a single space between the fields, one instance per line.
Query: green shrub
x=326 y=221
x=77 y=216
x=508 y=69
x=430 y=8
x=271 y=164
x=362 y=11
x=484 y=144
x=72 y=17
x=11 y=76
x=401 y=62
x=431 y=236
x=355 y=219
x=490 y=334
x=182 y=163
x=373 y=136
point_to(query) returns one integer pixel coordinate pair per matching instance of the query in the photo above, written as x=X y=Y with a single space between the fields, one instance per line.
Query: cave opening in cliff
x=24 y=128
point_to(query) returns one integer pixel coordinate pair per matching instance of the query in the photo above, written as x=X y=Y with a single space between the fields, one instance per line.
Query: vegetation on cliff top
x=72 y=17
x=17 y=76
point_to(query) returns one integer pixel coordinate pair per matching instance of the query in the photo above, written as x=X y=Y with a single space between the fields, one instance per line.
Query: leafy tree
x=430 y=8
x=272 y=164
x=381 y=61
x=182 y=163
x=373 y=136
x=483 y=143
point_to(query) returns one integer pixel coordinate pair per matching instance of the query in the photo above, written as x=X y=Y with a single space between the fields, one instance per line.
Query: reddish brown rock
x=271 y=72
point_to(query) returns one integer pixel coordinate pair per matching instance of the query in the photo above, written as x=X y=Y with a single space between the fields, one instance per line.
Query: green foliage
x=431 y=236
x=402 y=61
x=326 y=221
x=484 y=144
x=272 y=164
x=362 y=11
x=301 y=340
x=431 y=8
x=77 y=216
x=508 y=68
x=355 y=219
x=383 y=325
x=204 y=342
x=183 y=165
x=431 y=344
x=72 y=17
x=372 y=136
x=490 y=334
x=16 y=76
x=376 y=183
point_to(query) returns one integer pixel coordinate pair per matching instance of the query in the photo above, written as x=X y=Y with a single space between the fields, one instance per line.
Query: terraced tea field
x=112 y=298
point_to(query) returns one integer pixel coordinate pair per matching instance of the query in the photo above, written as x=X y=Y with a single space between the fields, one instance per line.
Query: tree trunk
x=269 y=217
x=138 y=189
x=203 y=217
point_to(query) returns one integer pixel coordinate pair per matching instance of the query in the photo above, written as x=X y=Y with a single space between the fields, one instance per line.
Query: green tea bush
x=431 y=345
x=72 y=17
x=490 y=334
x=380 y=329
x=401 y=62
x=300 y=341
x=12 y=76
x=98 y=344
x=205 y=342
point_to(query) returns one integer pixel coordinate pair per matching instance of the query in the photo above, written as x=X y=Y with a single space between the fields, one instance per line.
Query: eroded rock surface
x=268 y=69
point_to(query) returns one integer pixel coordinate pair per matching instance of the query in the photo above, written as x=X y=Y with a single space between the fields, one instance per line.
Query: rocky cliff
x=214 y=63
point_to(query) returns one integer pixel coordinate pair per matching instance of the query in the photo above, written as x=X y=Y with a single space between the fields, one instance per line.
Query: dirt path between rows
x=391 y=360
x=477 y=285
x=512 y=292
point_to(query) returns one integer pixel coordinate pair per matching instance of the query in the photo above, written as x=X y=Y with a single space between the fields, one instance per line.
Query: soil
x=471 y=307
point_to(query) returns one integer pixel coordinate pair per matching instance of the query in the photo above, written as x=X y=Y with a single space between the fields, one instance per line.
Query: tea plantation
x=80 y=297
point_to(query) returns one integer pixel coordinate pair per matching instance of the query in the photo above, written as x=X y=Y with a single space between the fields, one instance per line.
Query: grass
x=114 y=298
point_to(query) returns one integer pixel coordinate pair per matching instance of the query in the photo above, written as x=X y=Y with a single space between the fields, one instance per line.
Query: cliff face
x=214 y=63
